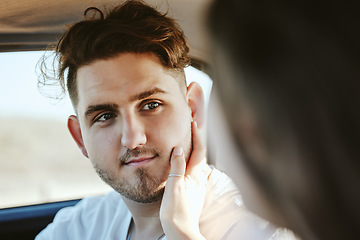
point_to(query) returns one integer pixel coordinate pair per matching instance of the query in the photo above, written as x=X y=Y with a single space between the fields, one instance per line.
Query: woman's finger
x=197 y=159
x=178 y=164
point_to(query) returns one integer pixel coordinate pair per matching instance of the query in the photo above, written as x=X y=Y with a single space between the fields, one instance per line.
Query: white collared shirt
x=224 y=216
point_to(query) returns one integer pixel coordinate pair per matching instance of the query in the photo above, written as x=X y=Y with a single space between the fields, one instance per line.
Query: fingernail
x=178 y=152
x=195 y=123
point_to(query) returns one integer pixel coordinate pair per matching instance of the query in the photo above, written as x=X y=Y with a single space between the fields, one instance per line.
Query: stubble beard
x=147 y=188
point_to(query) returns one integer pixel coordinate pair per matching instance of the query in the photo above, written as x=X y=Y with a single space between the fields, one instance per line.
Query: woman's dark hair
x=297 y=64
x=131 y=27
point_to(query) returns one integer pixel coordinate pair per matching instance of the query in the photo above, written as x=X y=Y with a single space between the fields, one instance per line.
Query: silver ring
x=175 y=175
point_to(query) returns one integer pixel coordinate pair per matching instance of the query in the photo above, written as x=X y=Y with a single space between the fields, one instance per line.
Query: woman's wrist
x=175 y=231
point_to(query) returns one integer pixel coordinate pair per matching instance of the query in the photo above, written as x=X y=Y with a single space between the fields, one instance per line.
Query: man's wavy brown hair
x=131 y=27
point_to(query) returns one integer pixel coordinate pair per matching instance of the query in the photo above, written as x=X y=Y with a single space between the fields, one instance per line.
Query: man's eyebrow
x=146 y=94
x=94 y=108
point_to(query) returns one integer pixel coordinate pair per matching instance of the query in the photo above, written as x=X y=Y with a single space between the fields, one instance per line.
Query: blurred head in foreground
x=289 y=79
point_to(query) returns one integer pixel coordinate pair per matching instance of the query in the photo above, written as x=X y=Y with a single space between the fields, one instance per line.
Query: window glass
x=39 y=161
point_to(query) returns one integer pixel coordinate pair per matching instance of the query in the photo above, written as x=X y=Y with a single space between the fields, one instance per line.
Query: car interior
x=33 y=25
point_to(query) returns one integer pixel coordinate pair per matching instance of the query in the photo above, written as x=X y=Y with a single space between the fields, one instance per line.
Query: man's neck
x=146 y=219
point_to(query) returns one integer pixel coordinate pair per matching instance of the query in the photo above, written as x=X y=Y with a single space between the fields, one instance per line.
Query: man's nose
x=133 y=132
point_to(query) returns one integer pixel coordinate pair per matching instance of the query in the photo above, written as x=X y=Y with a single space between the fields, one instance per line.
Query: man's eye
x=106 y=116
x=150 y=106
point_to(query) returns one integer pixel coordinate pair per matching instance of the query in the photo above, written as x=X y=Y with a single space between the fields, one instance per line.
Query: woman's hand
x=185 y=191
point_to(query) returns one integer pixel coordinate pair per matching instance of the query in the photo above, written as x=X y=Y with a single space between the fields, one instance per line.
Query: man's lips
x=139 y=160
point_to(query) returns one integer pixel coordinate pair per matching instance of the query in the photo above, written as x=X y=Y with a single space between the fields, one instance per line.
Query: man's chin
x=144 y=198
x=141 y=188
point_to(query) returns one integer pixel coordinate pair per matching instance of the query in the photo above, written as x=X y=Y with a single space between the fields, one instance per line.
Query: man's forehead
x=125 y=95
x=125 y=76
x=130 y=69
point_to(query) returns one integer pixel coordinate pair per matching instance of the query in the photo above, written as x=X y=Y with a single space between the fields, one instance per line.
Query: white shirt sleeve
x=94 y=218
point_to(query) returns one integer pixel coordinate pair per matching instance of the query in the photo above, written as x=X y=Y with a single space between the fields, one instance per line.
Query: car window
x=39 y=161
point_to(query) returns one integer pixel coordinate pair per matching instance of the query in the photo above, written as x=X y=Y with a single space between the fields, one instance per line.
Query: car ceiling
x=33 y=24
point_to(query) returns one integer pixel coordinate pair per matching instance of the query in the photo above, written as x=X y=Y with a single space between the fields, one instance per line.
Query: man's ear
x=75 y=131
x=195 y=99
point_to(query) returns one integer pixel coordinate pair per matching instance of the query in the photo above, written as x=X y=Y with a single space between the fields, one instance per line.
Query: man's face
x=131 y=114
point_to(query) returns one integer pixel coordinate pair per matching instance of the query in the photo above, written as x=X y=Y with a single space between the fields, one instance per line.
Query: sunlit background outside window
x=39 y=161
